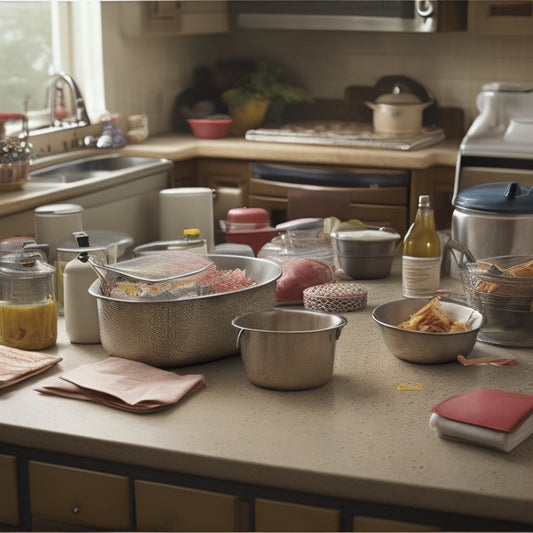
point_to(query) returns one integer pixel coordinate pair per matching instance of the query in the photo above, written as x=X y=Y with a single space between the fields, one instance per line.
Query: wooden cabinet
x=273 y=515
x=438 y=183
x=9 y=504
x=230 y=181
x=370 y=523
x=500 y=17
x=81 y=499
x=160 y=507
x=376 y=206
x=184 y=174
x=192 y=17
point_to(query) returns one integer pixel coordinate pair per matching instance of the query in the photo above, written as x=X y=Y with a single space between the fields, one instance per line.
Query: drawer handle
x=76 y=510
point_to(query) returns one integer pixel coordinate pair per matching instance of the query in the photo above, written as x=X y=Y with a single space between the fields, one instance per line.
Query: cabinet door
x=230 y=181
x=9 y=503
x=160 y=507
x=273 y=515
x=184 y=173
x=500 y=17
x=82 y=498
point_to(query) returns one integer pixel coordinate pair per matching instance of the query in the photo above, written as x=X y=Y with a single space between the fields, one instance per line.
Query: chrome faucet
x=60 y=101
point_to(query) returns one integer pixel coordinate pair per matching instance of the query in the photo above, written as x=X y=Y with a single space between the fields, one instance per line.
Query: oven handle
x=330 y=178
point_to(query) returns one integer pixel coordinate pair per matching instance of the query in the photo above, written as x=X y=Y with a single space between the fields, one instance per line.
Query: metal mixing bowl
x=171 y=333
x=366 y=252
x=421 y=347
x=288 y=349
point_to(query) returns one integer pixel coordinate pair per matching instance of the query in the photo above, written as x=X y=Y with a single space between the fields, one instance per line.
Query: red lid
x=248 y=215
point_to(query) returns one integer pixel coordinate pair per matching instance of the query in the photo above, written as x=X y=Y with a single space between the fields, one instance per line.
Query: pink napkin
x=17 y=365
x=124 y=384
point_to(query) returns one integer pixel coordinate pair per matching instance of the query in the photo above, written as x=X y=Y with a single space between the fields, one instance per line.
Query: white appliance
x=499 y=145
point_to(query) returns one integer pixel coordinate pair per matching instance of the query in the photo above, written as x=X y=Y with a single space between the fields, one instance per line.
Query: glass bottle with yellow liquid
x=421 y=253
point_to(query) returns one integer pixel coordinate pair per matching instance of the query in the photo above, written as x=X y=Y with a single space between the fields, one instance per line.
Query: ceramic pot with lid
x=398 y=113
x=494 y=219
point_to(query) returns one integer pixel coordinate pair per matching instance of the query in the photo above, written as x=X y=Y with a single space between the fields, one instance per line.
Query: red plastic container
x=209 y=128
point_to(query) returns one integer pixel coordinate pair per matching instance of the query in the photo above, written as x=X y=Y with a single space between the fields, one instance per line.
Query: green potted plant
x=261 y=94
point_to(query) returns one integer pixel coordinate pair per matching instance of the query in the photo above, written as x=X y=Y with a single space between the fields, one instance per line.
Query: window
x=38 y=38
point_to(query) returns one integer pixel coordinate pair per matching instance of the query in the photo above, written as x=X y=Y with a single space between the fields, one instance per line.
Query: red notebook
x=487 y=417
x=490 y=408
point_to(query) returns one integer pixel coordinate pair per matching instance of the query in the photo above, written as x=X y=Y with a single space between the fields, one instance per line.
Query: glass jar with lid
x=28 y=306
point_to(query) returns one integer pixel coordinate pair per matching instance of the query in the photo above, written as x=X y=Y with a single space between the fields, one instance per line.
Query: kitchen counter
x=178 y=147
x=355 y=438
x=183 y=147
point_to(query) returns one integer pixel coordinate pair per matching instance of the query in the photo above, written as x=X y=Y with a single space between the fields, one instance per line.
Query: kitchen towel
x=17 y=365
x=487 y=417
x=124 y=384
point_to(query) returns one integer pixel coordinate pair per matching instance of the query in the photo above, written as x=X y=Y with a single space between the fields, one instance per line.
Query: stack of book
x=487 y=417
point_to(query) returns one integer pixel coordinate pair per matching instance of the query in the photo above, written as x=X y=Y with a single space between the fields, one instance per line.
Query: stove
x=343 y=133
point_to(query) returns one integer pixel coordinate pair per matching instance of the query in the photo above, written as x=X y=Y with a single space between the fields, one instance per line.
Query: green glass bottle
x=421 y=253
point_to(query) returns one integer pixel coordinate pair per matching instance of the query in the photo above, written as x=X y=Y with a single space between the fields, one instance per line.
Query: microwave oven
x=350 y=15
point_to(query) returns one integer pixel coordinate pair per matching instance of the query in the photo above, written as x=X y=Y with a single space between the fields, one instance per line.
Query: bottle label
x=420 y=276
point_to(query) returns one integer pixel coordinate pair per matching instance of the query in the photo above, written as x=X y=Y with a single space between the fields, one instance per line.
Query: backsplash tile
x=146 y=74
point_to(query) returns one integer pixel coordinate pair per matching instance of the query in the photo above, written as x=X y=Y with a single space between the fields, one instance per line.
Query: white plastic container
x=186 y=207
x=80 y=308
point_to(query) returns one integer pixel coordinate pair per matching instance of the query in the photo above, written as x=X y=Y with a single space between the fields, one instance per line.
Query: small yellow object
x=402 y=386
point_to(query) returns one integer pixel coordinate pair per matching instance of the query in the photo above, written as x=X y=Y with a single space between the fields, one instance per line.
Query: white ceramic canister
x=80 y=307
x=186 y=207
x=53 y=223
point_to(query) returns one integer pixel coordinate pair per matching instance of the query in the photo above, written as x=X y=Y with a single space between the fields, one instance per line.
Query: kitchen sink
x=100 y=166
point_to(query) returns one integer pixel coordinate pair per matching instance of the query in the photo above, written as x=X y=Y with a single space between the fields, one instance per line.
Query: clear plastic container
x=303 y=243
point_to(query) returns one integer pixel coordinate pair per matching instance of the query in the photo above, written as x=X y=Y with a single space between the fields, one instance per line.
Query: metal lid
x=501 y=197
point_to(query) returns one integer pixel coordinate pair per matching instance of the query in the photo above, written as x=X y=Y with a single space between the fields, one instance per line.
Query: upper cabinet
x=500 y=17
x=192 y=17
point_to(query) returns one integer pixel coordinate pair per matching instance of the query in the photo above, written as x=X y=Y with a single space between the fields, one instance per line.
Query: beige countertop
x=357 y=437
x=182 y=147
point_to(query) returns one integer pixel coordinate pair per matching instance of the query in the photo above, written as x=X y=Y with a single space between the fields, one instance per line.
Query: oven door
x=377 y=197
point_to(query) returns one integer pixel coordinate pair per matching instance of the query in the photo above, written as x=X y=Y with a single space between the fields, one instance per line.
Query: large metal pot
x=171 y=333
x=494 y=219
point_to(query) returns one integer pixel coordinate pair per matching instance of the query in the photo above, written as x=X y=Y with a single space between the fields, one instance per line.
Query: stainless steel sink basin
x=100 y=166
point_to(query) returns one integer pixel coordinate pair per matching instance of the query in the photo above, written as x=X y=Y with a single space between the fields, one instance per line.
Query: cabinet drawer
x=273 y=515
x=161 y=507
x=79 y=497
x=9 y=503
x=369 y=523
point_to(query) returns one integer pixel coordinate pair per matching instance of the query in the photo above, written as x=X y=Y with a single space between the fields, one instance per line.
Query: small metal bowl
x=421 y=347
x=288 y=349
x=366 y=252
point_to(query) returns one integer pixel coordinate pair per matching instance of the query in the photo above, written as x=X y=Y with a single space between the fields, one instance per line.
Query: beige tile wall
x=146 y=74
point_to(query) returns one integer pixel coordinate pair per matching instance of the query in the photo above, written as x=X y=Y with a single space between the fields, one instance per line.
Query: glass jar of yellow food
x=28 y=307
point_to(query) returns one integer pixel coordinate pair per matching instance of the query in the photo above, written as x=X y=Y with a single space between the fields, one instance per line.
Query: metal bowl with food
x=288 y=349
x=177 y=332
x=427 y=347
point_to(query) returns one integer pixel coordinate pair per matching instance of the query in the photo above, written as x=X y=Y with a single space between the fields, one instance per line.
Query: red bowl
x=209 y=128
x=248 y=217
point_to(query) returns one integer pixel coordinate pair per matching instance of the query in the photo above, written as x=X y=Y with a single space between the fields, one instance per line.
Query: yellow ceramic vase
x=247 y=116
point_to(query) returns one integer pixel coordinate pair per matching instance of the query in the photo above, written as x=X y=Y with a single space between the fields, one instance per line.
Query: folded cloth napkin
x=17 y=365
x=487 y=417
x=124 y=384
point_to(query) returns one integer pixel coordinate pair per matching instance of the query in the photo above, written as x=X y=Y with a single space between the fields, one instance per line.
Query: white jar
x=80 y=308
